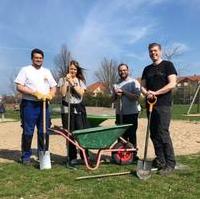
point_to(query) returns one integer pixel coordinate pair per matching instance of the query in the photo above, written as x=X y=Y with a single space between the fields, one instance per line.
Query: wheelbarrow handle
x=152 y=103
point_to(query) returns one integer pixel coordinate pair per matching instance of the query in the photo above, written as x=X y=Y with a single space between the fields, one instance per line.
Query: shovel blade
x=45 y=160
x=143 y=170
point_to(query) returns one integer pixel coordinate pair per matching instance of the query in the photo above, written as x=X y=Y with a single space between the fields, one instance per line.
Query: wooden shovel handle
x=152 y=103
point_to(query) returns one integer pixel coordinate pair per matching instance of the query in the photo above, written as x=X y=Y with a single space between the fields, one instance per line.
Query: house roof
x=96 y=85
x=193 y=78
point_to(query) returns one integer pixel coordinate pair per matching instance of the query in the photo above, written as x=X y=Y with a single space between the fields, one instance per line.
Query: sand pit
x=185 y=136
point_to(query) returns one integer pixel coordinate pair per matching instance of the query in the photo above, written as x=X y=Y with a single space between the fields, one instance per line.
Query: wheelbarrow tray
x=95 y=120
x=99 y=137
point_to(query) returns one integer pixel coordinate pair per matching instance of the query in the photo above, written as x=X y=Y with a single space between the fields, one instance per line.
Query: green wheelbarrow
x=96 y=120
x=102 y=139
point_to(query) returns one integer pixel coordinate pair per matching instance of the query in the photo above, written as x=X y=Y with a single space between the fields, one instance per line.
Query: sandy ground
x=185 y=136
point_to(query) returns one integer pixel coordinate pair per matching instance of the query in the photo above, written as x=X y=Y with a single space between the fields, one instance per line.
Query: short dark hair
x=122 y=64
x=153 y=45
x=36 y=50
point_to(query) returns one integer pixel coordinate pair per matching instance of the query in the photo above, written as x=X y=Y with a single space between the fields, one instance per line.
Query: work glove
x=38 y=95
x=49 y=97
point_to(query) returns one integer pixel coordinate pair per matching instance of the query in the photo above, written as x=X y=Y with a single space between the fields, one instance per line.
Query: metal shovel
x=143 y=170
x=44 y=155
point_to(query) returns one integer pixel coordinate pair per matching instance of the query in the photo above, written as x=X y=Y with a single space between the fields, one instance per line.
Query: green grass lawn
x=178 y=112
x=18 y=181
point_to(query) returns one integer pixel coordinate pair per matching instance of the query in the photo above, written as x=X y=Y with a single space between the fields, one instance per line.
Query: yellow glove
x=49 y=96
x=38 y=95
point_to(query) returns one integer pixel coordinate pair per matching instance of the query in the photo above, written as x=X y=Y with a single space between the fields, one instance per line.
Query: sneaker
x=157 y=164
x=166 y=171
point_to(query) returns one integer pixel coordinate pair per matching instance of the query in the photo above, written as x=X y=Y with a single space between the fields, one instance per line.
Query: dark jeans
x=77 y=121
x=160 y=135
x=130 y=133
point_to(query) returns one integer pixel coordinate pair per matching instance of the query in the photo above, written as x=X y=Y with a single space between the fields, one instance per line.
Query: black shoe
x=158 y=164
x=135 y=159
x=74 y=162
x=166 y=171
x=26 y=162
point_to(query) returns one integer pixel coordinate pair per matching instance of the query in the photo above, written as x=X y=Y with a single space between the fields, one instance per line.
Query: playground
x=185 y=136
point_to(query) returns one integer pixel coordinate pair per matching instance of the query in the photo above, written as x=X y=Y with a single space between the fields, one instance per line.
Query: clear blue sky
x=94 y=29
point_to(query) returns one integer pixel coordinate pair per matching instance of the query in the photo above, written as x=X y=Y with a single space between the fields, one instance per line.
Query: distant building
x=185 y=89
x=188 y=80
x=97 y=88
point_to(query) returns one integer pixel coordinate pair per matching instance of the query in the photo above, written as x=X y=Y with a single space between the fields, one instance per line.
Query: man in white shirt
x=36 y=84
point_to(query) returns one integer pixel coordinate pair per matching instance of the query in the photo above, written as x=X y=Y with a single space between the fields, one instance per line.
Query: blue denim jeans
x=31 y=113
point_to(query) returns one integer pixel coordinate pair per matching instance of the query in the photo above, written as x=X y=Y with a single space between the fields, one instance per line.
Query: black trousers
x=77 y=121
x=130 y=133
x=160 y=135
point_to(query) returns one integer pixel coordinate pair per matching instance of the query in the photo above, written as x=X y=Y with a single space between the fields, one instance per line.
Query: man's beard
x=37 y=65
x=123 y=77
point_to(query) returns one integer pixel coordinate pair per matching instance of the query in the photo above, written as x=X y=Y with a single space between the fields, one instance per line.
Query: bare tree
x=61 y=62
x=12 y=85
x=173 y=51
x=107 y=73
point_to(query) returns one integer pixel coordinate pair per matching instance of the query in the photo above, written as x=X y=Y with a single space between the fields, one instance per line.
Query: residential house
x=97 y=88
x=186 y=87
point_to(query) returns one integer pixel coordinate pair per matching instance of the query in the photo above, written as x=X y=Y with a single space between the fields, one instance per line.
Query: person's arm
x=80 y=90
x=63 y=88
x=168 y=87
x=53 y=91
x=24 y=89
x=130 y=95
x=143 y=87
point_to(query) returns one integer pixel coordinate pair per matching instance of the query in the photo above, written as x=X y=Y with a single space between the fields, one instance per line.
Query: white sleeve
x=51 y=80
x=137 y=84
x=60 y=82
x=21 y=77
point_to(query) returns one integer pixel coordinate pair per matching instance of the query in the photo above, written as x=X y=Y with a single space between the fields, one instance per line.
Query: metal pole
x=193 y=100
x=68 y=121
x=121 y=110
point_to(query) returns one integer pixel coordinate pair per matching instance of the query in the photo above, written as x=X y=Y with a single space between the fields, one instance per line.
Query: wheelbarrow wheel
x=123 y=157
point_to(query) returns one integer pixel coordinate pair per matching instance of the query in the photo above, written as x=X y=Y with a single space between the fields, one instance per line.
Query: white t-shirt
x=40 y=80
x=73 y=98
x=128 y=106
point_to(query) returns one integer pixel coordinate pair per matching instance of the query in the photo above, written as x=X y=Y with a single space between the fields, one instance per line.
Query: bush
x=100 y=100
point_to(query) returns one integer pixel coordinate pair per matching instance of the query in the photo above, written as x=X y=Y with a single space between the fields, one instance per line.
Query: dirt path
x=185 y=136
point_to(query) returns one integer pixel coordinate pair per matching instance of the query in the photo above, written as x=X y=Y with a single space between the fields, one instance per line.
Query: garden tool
x=44 y=155
x=143 y=170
